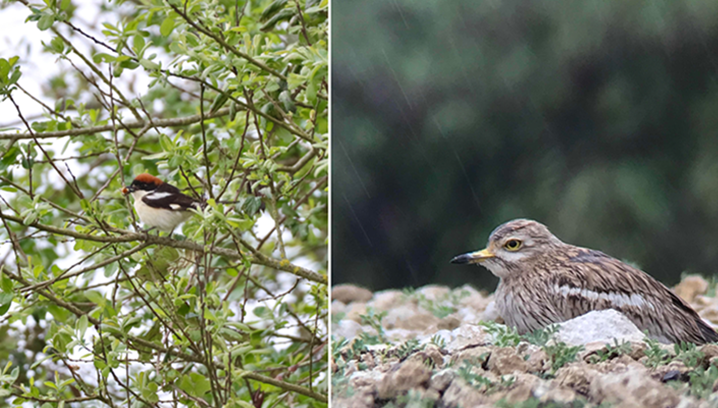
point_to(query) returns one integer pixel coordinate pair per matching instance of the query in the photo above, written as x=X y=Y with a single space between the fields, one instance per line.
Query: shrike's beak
x=126 y=190
x=473 y=257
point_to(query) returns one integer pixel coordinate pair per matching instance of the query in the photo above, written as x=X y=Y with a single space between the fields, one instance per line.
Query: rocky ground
x=447 y=348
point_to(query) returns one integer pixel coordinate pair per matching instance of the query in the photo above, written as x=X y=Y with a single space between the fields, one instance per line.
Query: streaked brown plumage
x=544 y=280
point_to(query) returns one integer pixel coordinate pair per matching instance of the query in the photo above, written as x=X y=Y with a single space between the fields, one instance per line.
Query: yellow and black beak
x=473 y=257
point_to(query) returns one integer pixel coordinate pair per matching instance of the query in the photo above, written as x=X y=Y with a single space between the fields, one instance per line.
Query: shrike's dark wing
x=169 y=197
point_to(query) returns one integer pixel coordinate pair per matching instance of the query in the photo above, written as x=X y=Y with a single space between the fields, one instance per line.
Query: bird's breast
x=527 y=307
x=162 y=219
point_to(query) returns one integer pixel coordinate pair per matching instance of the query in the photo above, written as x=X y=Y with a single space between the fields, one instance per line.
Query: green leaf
x=166 y=143
x=138 y=41
x=208 y=315
x=272 y=9
x=282 y=15
x=155 y=156
x=241 y=224
x=6 y=284
x=45 y=22
x=231 y=334
x=5 y=302
x=219 y=101
x=4 y=68
x=30 y=217
x=14 y=374
x=287 y=102
x=195 y=385
x=263 y=312
x=82 y=325
x=103 y=57
x=15 y=76
x=251 y=205
x=147 y=64
x=96 y=297
x=167 y=26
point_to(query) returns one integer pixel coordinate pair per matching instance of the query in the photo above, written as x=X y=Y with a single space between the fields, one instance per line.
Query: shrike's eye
x=513 y=245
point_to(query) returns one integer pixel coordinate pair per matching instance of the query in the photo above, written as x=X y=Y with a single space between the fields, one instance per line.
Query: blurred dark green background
x=597 y=118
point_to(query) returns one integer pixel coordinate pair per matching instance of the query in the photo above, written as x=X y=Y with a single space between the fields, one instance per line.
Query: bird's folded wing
x=169 y=201
x=595 y=278
x=596 y=281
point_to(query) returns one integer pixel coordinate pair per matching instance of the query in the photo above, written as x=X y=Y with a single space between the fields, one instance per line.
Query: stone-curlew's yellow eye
x=513 y=245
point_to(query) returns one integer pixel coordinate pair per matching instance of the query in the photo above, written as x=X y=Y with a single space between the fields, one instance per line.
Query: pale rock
x=400 y=335
x=461 y=394
x=366 y=378
x=441 y=379
x=505 y=360
x=599 y=326
x=368 y=360
x=491 y=313
x=628 y=361
x=338 y=307
x=619 y=365
x=347 y=329
x=475 y=356
x=537 y=357
x=632 y=387
x=467 y=335
x=363 y=391
x=410 y=317
x=377 y=348
x=429 y=354
x=387 y=300
x=435 y=354
x=448 y=323
x=354 y=311
x=578 y=377
x=474 y=299
x=350 y=368
x=690 y=287
x=468 y=315
x=522 y=388
x=710 y=314
x=348 y=293
x=638 y=350
x=591 y=349
x=426 y=395
x=444 y=335
x=408 y=375
x=358 y=398
x=553 y=391
x=434 y=292
x=701 y=301
x=709 y=350
x=659 y=373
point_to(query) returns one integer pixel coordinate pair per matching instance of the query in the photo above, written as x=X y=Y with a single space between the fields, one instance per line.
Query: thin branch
x=231 y=48
x=90 y=268
x=187 y=120
x=207 y=164
x=128 y=236
x=47 y=156
x=169 y=351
